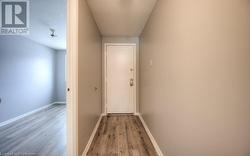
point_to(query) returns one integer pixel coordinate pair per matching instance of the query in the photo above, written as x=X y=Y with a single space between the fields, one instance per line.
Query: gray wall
x=89 y=75
x=27 y=76
x=195 y=96
x=60 y=76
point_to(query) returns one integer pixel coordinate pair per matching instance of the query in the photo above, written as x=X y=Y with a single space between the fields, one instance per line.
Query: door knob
x=131 y=82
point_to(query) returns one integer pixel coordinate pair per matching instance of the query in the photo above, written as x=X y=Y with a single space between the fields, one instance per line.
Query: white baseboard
x=92 y=136
x=156 y=146
x=137 y=114
x=63 y=102
x=26 y=114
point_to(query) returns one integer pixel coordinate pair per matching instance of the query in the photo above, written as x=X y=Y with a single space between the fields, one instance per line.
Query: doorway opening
x=33 y=107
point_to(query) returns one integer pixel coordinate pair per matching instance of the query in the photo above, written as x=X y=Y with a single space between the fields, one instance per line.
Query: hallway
x=181 y=66
x=123 y=135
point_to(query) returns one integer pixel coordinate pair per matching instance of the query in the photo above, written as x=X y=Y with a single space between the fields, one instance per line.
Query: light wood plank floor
x=121 y=135
x=40 y=134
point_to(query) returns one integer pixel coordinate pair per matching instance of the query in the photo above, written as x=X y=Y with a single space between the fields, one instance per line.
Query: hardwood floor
x=121 y=135
x=40 y=134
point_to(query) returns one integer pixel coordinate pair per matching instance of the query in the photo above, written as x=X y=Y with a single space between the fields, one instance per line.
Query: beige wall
x=89 y=75
x=195 y=96
x=122 y=40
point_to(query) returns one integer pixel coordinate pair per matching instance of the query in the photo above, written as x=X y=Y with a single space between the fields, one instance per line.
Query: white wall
x=61 y=76
x=31 y=76
x=27 y=76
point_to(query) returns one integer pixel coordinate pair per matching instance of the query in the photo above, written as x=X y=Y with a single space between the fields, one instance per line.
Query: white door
x=120 y=76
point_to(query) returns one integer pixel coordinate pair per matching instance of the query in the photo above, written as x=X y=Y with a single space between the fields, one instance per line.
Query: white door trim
x=72 y=77
x=105 y=73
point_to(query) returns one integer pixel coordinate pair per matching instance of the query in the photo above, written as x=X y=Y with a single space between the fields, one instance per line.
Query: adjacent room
x=33 y=84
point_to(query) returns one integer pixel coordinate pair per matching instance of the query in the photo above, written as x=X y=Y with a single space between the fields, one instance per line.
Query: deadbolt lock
x=131 y=82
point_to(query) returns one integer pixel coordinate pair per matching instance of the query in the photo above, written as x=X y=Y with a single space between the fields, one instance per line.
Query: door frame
x=72 y=77
x=105 y=73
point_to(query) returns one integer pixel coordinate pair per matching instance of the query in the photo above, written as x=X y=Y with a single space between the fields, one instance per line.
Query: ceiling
x=46 y=14
x=121 y=17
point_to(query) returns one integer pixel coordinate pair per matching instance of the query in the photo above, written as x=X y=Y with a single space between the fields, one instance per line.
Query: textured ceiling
x=121 y=17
